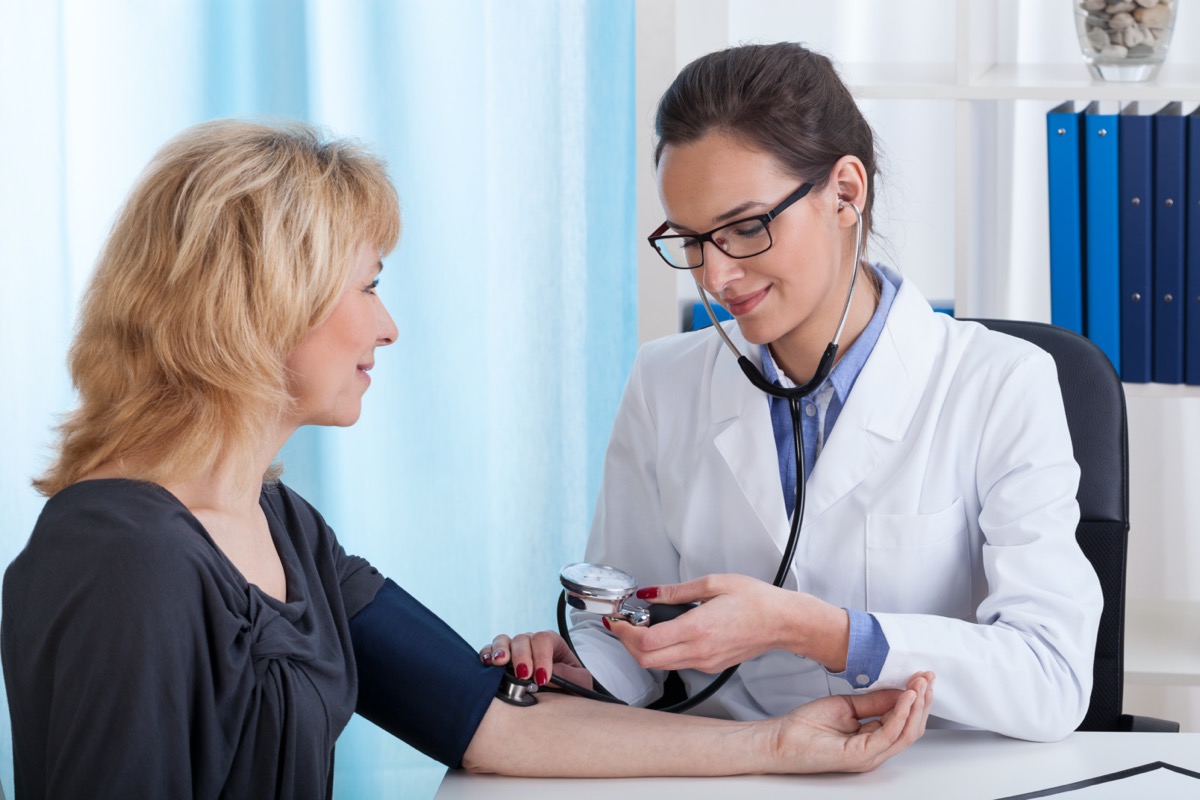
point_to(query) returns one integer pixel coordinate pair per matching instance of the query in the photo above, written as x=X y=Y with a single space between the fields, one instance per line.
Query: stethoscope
x=605 y=590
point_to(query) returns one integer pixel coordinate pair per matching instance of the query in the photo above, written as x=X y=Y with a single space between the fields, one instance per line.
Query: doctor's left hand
x=538 y=656
x=738 y=618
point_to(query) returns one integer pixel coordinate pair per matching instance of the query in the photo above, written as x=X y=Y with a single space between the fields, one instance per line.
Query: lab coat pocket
x=919 y=563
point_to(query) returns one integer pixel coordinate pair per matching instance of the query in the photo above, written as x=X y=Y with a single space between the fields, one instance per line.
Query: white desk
x=963 y=765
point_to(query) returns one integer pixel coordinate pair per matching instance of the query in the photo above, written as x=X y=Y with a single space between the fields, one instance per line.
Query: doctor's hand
x=538 y=655
x=826 y=735
x=739 y=618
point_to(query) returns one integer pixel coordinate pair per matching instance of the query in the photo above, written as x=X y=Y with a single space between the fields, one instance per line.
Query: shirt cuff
x=867 y=652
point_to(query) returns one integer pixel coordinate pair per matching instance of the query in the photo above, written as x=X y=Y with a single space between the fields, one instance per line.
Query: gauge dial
x=598 y=581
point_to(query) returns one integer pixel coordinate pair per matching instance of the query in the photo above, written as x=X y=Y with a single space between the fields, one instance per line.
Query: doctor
x=939 y=523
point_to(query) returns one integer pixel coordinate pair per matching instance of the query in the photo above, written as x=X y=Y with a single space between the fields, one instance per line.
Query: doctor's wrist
x=818 y=631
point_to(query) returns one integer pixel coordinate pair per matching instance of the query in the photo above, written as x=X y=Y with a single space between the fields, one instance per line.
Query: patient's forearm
x=564 y=735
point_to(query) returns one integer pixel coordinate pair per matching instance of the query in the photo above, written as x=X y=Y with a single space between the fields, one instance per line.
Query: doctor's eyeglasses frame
x=686 y=251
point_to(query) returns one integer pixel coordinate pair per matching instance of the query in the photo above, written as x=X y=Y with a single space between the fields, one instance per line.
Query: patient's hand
x=826 y=735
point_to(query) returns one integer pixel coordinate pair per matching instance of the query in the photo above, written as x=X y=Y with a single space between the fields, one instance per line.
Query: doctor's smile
x=740 y=305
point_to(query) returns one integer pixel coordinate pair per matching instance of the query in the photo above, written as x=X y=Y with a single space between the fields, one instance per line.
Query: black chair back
x=1095 y=406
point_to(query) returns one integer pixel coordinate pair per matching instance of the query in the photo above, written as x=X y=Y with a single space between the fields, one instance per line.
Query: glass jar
x=1124 y=40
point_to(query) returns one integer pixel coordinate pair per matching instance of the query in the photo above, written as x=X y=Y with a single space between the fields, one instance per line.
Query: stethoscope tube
x=793 y=395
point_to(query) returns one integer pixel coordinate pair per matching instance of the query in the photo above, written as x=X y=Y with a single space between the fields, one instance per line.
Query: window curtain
x=509 y=131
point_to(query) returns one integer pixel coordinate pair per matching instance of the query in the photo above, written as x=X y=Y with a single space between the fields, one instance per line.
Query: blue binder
x=1102 y=243
x=1065 y=184
x=1136 y=167
x=1191 y=348
x=1170 y=162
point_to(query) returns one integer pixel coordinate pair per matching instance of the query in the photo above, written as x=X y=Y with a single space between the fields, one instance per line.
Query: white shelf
x=1162 y=643
x=901 y=81
x=1058 y=82
x=1050 y=82
x=1170 y=391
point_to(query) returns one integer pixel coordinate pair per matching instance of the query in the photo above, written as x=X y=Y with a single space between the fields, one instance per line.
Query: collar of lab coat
x=876 y=415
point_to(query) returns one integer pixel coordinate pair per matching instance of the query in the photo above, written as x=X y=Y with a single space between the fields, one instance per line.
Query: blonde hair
x=236 y=242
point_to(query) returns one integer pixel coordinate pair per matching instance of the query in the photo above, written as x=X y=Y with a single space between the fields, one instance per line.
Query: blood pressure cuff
x=417 y=678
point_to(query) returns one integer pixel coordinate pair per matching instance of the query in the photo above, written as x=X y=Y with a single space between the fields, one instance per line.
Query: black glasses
x=744 y=238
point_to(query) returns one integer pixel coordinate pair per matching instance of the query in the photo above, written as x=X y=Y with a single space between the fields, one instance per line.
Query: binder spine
x=1191 y=347
x=1169 y=182
x=1136 y=167
x=1102 y=240
x=1065 y=192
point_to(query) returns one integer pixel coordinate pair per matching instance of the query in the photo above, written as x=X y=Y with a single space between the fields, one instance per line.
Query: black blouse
x=140 y=663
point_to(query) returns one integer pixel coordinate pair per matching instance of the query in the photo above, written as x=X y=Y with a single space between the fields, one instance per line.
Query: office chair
x=1095 y=405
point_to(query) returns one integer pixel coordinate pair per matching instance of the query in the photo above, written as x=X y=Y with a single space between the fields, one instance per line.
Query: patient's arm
x=568 y=736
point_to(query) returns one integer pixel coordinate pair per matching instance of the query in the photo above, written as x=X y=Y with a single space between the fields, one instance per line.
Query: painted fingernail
x=606 y=623
x=486 y=656
x=498 y=654
x=540 y=677
x=522 y=671
x=649 y=593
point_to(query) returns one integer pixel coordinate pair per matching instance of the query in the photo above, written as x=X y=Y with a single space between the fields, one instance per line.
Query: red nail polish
x=487 y=658
x=540 y=677
x=649 y=593
x=606 y=623
x=498 y=654
x=522 y=671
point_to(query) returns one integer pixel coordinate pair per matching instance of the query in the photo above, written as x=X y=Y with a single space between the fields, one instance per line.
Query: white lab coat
x=943 y=502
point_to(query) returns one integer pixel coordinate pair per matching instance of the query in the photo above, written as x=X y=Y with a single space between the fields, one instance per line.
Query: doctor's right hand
x=738 y=618
x=538 y=655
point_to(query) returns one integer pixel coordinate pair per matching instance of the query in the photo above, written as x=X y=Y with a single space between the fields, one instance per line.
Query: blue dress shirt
x=868 y=648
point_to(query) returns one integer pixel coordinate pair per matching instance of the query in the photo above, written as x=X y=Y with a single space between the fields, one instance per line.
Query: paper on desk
x=1154 y=780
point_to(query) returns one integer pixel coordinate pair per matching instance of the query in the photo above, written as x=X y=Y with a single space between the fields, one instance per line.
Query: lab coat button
x=810 y=409
x=863 y=680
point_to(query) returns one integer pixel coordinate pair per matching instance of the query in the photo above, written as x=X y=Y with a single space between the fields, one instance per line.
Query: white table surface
x=944 y=764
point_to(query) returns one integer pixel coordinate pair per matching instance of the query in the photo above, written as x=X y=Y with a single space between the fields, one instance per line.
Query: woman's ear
x=850 y=177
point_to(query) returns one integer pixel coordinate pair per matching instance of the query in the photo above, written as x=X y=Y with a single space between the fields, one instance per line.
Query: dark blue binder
x=1191 y=281
x=1136 y=168
x=1102 y=242
x=1065 y=184
x=1170 y=164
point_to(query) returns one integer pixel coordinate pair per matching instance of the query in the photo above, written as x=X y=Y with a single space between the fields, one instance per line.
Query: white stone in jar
x=1094 y=5
x=1147 y=3
x=1132 y=37
x=1120 y=22
x=1098 y=38
x=1114 y=51
x=1120 y=8
x=1153 y=17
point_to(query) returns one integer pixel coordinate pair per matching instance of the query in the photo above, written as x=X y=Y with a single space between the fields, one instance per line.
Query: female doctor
x=938 y=526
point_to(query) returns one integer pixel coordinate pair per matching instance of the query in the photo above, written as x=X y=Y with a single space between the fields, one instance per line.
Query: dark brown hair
x=780 y=98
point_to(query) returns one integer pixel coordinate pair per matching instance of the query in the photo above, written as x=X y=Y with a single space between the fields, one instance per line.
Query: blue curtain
x=509 y=131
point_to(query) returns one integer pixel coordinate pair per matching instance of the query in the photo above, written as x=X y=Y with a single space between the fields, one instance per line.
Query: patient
x=181 y=623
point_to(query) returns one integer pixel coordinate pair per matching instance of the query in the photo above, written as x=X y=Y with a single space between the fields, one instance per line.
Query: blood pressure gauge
x=599 y=589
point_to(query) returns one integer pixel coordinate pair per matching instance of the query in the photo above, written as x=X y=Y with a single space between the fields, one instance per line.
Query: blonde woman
x=181 y=623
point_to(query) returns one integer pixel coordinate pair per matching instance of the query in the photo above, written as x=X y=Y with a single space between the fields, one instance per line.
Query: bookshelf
x=957 y=91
